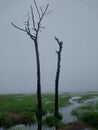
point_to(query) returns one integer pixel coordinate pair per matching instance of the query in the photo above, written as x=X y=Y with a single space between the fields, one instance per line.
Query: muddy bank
x=77 y=125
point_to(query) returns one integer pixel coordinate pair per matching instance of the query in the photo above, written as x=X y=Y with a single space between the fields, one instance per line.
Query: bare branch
x=28 y=19
x=37 y=8
x=48 y=12
x=37 y=28
x=60 y=43
x=56 y=39
x=25 y=30
x=39 y=23
x=33 y=19
x=18 y=27
x=44 y=12
x=41 y=10
x=28 y=23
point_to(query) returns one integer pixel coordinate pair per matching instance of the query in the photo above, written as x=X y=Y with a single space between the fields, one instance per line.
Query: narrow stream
x=66 y=111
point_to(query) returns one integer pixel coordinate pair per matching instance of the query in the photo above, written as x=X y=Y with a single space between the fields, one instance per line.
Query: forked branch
x=60 y=43
x=36 y=27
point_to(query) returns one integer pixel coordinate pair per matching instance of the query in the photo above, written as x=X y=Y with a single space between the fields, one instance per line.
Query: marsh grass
x=88 y=113
x=51 y=121
x=90 y=117
x=12 y=103
x=26 y=104
x=48 y=101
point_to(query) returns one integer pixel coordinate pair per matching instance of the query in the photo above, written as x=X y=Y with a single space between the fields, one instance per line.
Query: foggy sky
x=75 y=22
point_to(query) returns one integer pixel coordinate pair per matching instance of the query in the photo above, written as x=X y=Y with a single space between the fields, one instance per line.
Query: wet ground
x=76 y=126
x=67 y=117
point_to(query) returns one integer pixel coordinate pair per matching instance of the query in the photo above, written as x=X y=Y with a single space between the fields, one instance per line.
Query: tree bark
x=56 y=112
x=39 y=98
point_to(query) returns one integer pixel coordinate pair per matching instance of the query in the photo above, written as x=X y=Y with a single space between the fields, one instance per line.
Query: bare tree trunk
x=33 y=33
x=39 y=98
x=39 y=124
x=56 y=112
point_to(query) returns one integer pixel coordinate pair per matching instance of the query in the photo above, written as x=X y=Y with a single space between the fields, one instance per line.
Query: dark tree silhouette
x=32 y=28
x=60 y=43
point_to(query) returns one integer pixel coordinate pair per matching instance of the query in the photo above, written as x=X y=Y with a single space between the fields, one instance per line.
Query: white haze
x=75 y=22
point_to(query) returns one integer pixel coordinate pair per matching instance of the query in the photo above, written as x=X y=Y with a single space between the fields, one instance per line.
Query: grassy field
x=25 y=106
x=22 y=102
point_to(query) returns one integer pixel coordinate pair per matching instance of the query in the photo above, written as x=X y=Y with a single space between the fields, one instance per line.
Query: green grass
x=90 y=117
x=27 y=106
x=48 y=101
x=51 y=121
x=17 y=103
x=87 y=112
x=22 y=102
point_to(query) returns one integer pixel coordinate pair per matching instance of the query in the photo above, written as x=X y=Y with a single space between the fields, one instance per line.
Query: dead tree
x=32 y=27
x=60 y=43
